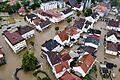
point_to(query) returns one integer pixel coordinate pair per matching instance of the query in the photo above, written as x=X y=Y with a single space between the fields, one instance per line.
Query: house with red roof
x=68 y=76
x=15 y=41
x=68 y=36
x=84 y=64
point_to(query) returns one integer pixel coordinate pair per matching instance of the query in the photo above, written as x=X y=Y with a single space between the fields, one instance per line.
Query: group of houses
x=16 y=38
x=42 y=19
x=83 y=58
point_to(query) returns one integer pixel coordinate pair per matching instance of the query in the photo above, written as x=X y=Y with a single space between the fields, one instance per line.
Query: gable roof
x=113 y=23
x=63 y=36
x=110 y=33
x=71 y=30
x=85 y=62
x=69 y=76
x=66 y=11
x=24 y=29
x=14 y=37
x=50 y=44
x=65 y=57
x=31 y=16
x=79 y=24
x=54 y=57
x=112 y=46
x=94 y=15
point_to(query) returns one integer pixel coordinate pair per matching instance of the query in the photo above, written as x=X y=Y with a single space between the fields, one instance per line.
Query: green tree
x=0 y=18
x=56 y=28
x=46 y=78
x=69 y=20
x=88 y=12
x=32 y=43
x=29 y=62
x=79 y=0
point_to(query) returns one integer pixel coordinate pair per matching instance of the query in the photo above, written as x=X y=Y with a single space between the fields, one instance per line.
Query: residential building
x=41 y=24
x=52 y=5
x=112 y=36
x=93 y=17
x=84 y=64
x=102 y=10
x=59 y=63
x=94 y=31
x=83 y=25
x=52 y=46
x=113 y=25
x=92 y=41
x=30 y=17
x=53 y=16
x=26 y=31
x=67 y=37
x=2 y=57
x=103 y=70
x=69 y=76
x=15 y=41
x=111 y=48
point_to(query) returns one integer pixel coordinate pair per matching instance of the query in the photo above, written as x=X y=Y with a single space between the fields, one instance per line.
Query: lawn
x=11 y=20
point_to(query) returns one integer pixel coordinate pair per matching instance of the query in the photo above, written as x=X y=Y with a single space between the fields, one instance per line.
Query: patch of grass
x=11 y=20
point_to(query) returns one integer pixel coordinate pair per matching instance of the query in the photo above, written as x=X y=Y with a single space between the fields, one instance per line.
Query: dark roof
x=54 y=58
x=111 y=33
x=118 y=17
x=51 y=44
x=31 y=16
x=113 y=23
x=44 y=23
x=87 y=23
x=104 y=70
x=24 y=29
x=72 y=2
x=118 y=47
x=109 y=65
x=14 y=37
x=94 y=31
x=79 y=24
x=89 y=49
x=92 y=40
x=66 y=11
x=112 y=46
x=94 y=15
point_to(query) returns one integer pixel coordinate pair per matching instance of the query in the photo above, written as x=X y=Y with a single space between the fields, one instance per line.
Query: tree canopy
x=88 y=12
x=29 y=61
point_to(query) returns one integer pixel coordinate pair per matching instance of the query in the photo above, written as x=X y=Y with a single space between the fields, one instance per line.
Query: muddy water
x=14 y=60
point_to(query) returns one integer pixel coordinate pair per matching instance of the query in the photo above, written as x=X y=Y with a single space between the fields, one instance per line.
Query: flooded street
x=14 y=60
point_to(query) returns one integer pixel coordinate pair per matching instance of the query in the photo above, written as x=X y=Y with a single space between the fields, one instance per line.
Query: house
x=83 y=25
x=52 y=46
x=94 y=31
x=30 y=17
x=113 y=25
x=67 y=37
x=92 y=41
x=62 y=38
x=111 y=48
x=59 y=63
x=69 y=76
x=67 y=12
x=79 y=24
x=41 y=24
x=2 y=57
x=101 y=10
x=52 y=5
x=93 y=17
x=112 y=36
x=15 y=41
x=84 y=64
x=78 y=7
x=26 y=31
x=53 y=16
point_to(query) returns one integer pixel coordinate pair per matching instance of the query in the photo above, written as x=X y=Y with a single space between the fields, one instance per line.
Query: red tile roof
x=65 y=57
x=14 y=37
x=63 y=36
x=101 y=8
x=85 y=62
x=94 y=36
x=58 y=68
x=71 y=30
x=69 y=76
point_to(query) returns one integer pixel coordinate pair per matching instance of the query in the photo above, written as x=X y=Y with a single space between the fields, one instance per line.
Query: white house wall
x=28 y=34
x=112 y=38
x=111 y=52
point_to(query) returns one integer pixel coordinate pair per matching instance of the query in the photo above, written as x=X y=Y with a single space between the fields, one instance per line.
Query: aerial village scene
x=59 y=39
